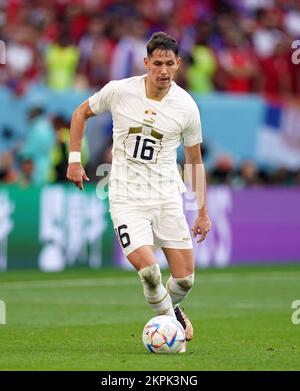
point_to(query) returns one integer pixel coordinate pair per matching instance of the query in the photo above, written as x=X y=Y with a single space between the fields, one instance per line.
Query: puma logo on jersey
x=149 y=121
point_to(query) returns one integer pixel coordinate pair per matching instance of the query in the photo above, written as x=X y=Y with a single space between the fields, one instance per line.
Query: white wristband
x=74 y=157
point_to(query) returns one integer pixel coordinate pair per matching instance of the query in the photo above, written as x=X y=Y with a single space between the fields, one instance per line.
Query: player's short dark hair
x=162 y=41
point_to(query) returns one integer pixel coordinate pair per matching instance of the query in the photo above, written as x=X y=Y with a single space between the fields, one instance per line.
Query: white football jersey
x=146 y=134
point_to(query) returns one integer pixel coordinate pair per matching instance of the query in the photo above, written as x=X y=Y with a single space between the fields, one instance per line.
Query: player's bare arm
x=197 y=178
x=76 y=173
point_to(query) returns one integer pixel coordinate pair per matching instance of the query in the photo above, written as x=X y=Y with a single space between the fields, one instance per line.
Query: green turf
x=87 y=320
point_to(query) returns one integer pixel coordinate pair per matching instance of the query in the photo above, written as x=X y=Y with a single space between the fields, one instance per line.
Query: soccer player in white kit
x=151 y=116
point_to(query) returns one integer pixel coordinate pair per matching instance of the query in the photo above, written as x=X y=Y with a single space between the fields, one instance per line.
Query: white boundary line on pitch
x=67 y=283
x=89 y=282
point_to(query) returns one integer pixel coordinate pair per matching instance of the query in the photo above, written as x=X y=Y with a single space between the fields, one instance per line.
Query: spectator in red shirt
x=237 y=64
x=275 y=71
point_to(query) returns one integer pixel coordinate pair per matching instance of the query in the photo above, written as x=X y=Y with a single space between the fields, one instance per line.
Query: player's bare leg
x=143 y=259
x=181 y=263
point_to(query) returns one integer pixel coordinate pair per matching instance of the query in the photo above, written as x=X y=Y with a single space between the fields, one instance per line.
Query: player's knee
x=150 y=276
x=185 y=283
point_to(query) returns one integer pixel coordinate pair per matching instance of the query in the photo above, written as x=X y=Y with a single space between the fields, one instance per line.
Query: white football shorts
x=160 y=225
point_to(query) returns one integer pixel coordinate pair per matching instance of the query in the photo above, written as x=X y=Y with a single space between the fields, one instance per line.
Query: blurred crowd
x=246 y=174
x=43 y=158
x=235 y=46
x=228 y=45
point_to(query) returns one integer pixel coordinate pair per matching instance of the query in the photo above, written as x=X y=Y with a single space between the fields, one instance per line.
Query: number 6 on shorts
x=124 y=237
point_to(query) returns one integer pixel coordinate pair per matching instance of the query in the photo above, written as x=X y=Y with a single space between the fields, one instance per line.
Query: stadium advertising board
x=53 y=228
x=257 y=225
x=57 y=227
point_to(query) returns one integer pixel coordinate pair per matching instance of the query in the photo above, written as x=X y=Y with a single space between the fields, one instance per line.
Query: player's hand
x=76 y=174
x=201 y=227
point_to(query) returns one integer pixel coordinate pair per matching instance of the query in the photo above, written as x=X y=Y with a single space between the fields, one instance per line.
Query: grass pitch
x=92 y=320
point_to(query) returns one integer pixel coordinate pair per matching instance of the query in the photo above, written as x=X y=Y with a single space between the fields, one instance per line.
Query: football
x=163 y=334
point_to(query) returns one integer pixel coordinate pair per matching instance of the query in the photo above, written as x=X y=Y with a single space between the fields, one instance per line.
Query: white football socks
x=179 y=288
x=155 y=293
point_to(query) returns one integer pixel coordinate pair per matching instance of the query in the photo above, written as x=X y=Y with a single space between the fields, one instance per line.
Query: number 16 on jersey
x=143 y=144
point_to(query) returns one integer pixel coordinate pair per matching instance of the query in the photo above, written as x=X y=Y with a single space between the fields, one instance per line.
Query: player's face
x=161 y=67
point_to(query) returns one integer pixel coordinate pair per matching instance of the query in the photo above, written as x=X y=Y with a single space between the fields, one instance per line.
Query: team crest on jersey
x=150 y=117
x=150 y=112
